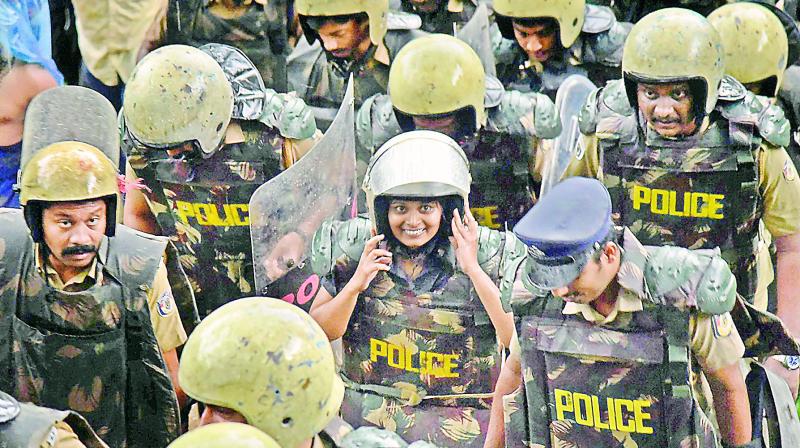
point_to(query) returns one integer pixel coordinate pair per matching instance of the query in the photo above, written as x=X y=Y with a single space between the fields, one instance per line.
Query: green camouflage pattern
x=442 y=20
x=420 y=353
x=501 y=154
x=606 y=385
x=33 y=425
x=260 y=32
x=202 y=206
x=596 y=54
x=699 y=192
x=321 y=80
x=52 y=339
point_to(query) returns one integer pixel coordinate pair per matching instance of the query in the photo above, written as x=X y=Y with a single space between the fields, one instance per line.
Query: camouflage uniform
x=260 y=31
x=447 y=19
x=596 y=54
x=420 y=353
x=52 y=338
x=202 y=203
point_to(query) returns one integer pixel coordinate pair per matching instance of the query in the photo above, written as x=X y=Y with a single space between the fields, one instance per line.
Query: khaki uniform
x=65 y=437
x=780 y=195
x=163 y=311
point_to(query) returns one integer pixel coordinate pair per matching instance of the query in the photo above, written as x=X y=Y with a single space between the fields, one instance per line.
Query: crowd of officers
x=577 y=223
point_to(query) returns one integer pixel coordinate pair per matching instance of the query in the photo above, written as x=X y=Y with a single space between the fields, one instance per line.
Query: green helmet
x=376 y=10
x=63 y=172
x=674 y=45
x=437 y=74
x=178 y=94
x=569 y=14
x=225 y=435
x=267 y=360
x=370 y=437
x=755 y=43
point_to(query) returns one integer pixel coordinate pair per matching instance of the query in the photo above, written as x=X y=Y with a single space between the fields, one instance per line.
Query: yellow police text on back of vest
x=689 y=204
x=227 y=215
x=437 y=365
x=588 y=410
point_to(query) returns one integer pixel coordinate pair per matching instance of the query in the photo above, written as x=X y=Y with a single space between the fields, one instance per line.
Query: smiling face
x=73 y=232
x=345 y=40
x=667 y=108
x=414 y=223
x=538 y=39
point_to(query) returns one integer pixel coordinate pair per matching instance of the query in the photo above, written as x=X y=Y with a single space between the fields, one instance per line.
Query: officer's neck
x=605 y=302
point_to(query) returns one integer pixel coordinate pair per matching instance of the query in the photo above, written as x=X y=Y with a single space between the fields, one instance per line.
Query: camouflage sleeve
x=289 y=115
x=335 y=250
x=527 y=113
x=780 y=190
x=605 y=48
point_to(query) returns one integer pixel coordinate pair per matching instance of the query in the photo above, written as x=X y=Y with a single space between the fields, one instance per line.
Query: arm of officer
x=509 y=381
x=718 y=348
x=137 y=213
x=167 y=326
x=294 y=150
x=781 y=193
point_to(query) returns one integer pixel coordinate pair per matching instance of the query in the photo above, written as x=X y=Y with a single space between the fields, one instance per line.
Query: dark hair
x=448 y=203
x=316 y=22
x=549 y=24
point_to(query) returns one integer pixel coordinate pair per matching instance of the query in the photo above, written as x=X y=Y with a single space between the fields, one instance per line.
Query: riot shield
x=477 y=34
x=70 y=113
x=570 y=98
x=286 y=211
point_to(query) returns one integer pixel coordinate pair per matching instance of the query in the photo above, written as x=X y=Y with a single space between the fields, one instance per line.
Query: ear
x=611 y=251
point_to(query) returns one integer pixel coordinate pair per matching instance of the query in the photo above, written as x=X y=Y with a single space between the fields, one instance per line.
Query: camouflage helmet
x=370 y=437
x=225 y=435
x=63 y=172
x=674 y=45
x=396 y=170
x=437 y=74
x=569 y=14
x=755 y=43
x=267 y=360
x=178 y=94
x=376 y=10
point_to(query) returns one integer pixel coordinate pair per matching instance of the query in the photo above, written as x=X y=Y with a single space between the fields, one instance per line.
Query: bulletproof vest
x=260 y=33
x=33 y=425
x=202 y=204
x=699 y=192
x=626 y=384
x=93 y=351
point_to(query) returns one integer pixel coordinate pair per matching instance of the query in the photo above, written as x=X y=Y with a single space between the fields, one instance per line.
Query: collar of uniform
x=234 y=133
x=627 y=302
x=90 y=273
x=651 y=134
x=382 y=54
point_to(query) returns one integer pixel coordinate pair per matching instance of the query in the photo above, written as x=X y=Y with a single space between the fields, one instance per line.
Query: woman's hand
x=465 y=242
x=373 y=260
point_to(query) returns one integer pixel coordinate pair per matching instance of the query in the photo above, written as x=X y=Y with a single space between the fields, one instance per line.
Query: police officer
x=257 y=27
x=610 y=331
x=84 y=292
x=225 y=435
x=437 y=82
x=694 y=160
x=264 y=362
x=202 y=142
x=441 y=16
x=26 y=425
x=344 y=37
x=550 y=40
x=413 y=294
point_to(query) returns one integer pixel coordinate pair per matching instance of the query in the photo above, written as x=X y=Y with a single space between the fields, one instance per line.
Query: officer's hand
x=287 y=254
x=373 y=260
x=792 y=377
x=465 y=241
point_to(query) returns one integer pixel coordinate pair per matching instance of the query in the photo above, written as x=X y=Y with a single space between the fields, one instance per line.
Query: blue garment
x=25 y=34
x=113 y=94
x=9 y=165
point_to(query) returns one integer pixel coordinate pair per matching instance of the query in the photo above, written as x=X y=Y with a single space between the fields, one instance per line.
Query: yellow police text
x=486 y=216
x=437 y=365
x=689 y=204
x=587 y=410
x=227 y=215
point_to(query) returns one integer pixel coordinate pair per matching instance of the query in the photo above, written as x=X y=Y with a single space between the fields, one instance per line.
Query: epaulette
x=532 y=114
x=740 y=106
x=598 y=19
x=399 y=20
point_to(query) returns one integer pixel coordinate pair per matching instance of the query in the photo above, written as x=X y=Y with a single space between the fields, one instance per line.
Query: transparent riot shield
x=286 y=211
x=570 y=98
x=476 y=33
x=70 y=113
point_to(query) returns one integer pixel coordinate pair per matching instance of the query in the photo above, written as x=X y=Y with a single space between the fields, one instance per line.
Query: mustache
x=665 y=120
x=78 y=250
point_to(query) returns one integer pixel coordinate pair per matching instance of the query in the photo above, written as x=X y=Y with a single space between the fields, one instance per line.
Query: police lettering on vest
x=437 y=365
x=690 y=204
x=226 y=215
x=588 y=410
